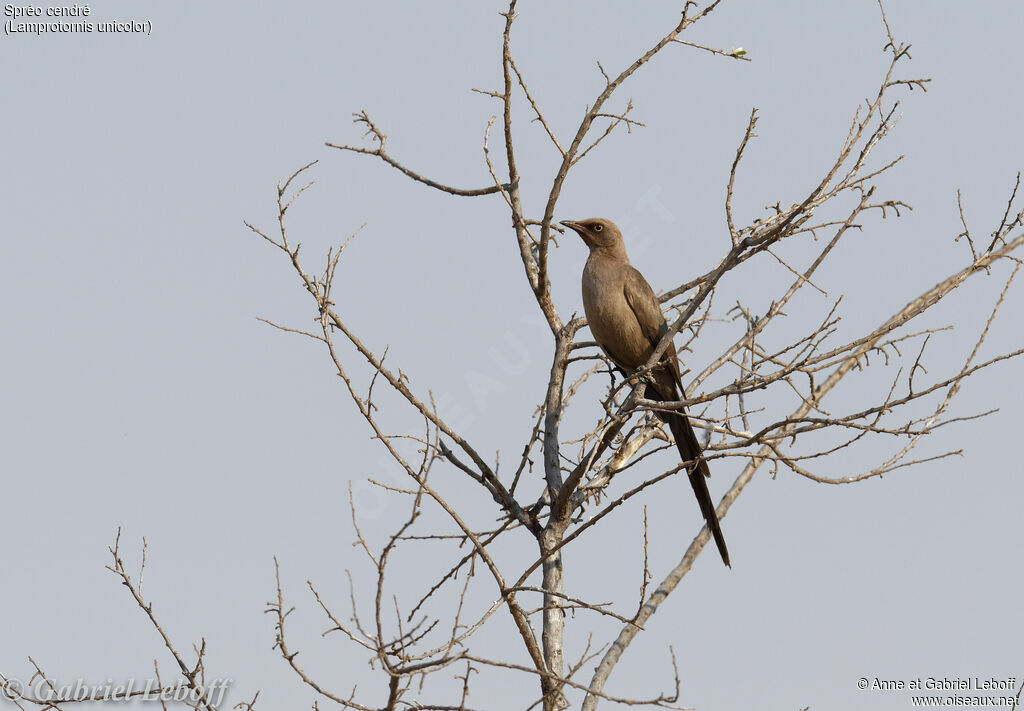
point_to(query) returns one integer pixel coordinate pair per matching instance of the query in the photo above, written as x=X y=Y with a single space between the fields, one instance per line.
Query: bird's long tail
x=690 y=451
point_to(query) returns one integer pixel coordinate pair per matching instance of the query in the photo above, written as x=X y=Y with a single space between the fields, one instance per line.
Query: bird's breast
x=611 y=319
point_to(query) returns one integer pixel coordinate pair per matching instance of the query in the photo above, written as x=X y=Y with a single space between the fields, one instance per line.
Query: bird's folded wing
x=640 y=297
x=647 y=309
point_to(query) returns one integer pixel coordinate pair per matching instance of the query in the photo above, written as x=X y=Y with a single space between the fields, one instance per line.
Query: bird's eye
x=598 y=227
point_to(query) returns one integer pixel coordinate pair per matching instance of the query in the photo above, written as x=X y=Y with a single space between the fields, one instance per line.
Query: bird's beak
x=578 y=229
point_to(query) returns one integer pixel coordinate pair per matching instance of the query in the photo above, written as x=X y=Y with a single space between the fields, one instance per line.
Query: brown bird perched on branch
x=625 y=318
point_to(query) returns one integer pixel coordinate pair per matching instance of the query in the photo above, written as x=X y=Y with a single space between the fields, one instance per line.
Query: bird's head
x=597 y=233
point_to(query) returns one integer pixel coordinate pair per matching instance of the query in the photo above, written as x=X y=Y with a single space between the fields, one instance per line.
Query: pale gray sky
x=140 y=391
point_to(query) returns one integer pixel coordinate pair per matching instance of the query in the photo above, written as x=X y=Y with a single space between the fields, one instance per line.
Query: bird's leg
x=611 y=376
x=612 y=370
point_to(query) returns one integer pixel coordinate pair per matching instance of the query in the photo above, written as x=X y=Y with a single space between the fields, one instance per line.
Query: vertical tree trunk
x=554 y=619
